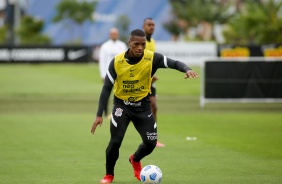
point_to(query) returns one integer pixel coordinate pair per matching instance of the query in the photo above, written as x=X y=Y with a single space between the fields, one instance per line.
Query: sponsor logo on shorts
x=138 y=104
x=152 y=136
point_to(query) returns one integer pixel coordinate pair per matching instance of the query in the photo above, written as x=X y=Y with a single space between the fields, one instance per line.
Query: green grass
x=46 y=112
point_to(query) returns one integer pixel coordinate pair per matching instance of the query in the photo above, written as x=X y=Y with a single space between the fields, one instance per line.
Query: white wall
x=191 y=53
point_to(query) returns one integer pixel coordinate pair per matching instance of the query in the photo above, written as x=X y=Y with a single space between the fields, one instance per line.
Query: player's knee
x=115 y=143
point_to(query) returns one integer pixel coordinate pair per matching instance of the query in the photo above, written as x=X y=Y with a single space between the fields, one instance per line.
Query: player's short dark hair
x=137 y=32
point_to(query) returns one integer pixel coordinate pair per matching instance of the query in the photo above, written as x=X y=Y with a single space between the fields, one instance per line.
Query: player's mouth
x=139 y=53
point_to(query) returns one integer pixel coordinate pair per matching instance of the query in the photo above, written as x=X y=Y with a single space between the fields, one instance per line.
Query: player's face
x=137 y=45
x=149 y=27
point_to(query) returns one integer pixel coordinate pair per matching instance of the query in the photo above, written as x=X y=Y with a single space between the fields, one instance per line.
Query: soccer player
x=130 y=75
x=149 y=28
x=108 y=50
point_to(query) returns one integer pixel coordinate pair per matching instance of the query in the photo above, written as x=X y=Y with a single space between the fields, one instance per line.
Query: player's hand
x=154 y=78
x=98 y=121
x=191 y=74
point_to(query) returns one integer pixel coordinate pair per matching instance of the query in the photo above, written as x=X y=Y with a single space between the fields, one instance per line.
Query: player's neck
x=131 y=59
x=148 y=38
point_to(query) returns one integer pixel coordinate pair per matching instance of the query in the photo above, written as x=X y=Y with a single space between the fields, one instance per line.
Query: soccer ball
x=151 y=174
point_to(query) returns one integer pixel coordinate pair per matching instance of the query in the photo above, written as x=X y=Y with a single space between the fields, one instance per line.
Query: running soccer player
x=130 y=76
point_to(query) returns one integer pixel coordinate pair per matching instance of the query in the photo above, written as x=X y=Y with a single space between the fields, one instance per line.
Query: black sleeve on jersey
x=161 y=61
x=107 y=88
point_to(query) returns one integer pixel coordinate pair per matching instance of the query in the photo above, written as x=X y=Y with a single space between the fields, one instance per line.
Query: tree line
x=239 y=21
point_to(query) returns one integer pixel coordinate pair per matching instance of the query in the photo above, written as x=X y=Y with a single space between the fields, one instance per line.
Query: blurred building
x=106 y=15
x=2 y=12
x=10 y=14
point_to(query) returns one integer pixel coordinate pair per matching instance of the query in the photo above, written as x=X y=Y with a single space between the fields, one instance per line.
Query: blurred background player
x=108 y=51
x=149 y=28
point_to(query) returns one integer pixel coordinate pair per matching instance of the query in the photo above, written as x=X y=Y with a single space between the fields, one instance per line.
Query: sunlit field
x=47 y=110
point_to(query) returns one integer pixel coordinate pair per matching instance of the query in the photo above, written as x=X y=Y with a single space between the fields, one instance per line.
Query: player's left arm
x=161 y=61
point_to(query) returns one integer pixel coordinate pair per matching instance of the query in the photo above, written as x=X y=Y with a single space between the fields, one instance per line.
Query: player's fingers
x=188 y=75
x=100 y=123
x=93 y=128
x=193 y=74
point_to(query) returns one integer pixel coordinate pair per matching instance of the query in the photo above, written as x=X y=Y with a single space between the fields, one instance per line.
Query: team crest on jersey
x=118 y=112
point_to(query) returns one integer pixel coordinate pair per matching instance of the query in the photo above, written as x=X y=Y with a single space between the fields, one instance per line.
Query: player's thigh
x=119 y=121
x=146 y=126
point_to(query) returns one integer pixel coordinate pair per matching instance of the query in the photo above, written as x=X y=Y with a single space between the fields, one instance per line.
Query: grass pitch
x=46 y=112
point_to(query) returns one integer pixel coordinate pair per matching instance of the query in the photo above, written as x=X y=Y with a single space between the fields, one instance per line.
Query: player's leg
x=145 y=124
x=147 y=128
x=118 y=125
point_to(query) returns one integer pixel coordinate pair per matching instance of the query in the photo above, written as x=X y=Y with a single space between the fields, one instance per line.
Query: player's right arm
x=104 y=96
x=102 y=61
x=107 y=88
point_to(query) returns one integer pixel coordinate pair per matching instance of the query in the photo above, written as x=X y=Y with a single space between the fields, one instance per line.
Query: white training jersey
x=108 y=51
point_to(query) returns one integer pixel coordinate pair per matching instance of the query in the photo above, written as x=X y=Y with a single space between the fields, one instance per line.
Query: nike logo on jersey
x=150 y=114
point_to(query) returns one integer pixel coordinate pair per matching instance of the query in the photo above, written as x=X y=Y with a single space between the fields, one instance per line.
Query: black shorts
x=141 y=116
